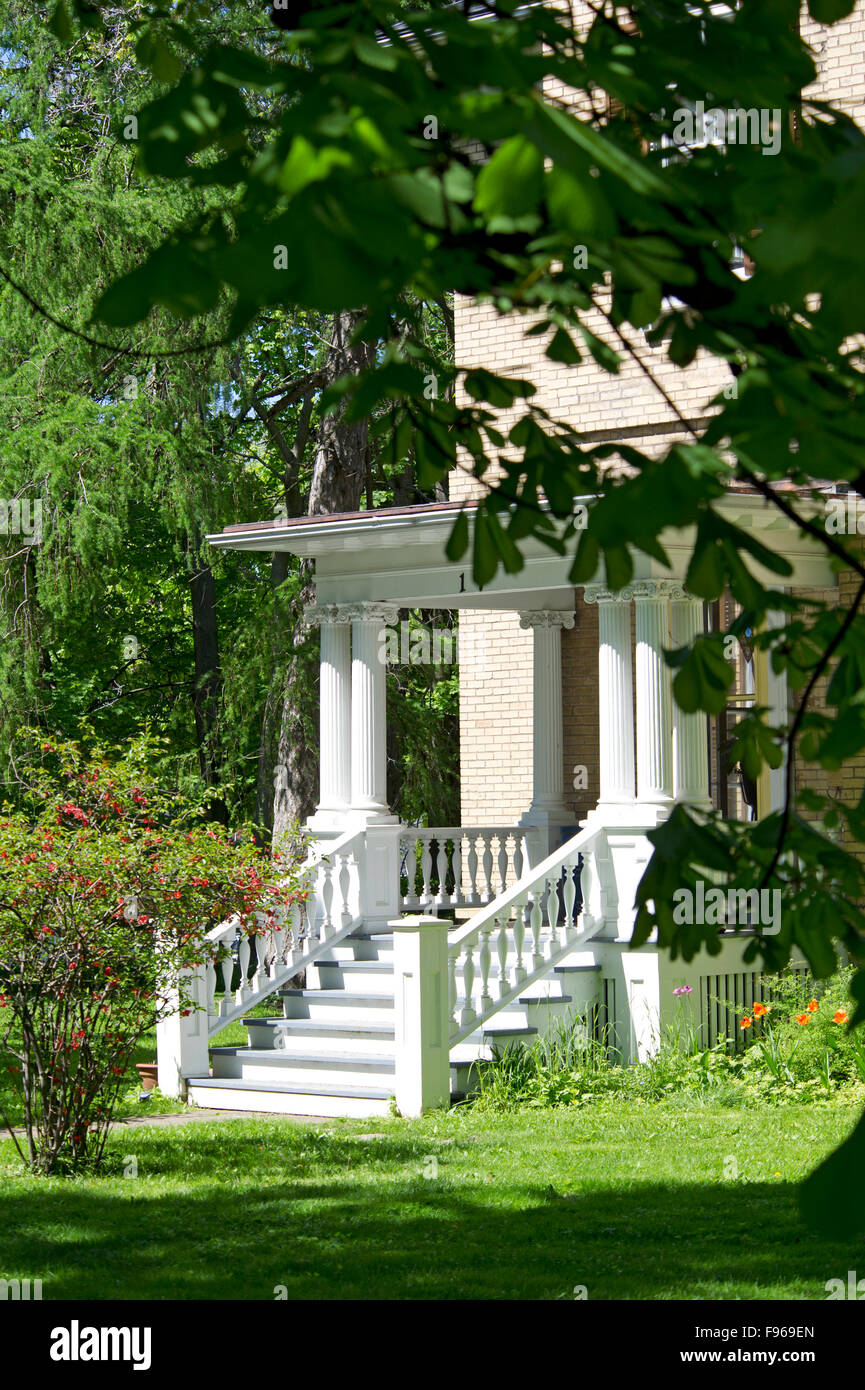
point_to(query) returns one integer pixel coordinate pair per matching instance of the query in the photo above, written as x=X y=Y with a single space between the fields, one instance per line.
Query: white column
x=654 y=698
x=334 y=735
x=615 y=695
x=690 y=744
x=548 y=789
x=368 y=704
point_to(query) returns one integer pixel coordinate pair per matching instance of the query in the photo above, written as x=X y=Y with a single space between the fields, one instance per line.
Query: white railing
x=462 y=866
x=554 y=907
x=286 y=941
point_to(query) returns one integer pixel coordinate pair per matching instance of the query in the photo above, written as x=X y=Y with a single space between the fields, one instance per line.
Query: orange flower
x=839 y=1016
x=813 y=1006
x=760 y=1010
x=746 y=1023
x=803 y=1018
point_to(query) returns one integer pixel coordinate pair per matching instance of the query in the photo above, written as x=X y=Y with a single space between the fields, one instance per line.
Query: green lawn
x=629 y=1200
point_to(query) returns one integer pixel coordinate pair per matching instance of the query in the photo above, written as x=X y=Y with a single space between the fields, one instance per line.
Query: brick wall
x=495 y=710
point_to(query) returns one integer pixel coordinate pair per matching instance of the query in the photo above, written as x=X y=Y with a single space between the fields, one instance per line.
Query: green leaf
x=485 y=558
x=512 y=182
x=706 y=575
x=305 y=164
x=619 y=566
x=562 y=348
x=602 y=353
x=153 y=53
x=577 y=205
x=499 y=391
x=458 y=540
x=830 y=11
x=375 y=55
x=60 y=24
x=563 y=136
x=703 y=680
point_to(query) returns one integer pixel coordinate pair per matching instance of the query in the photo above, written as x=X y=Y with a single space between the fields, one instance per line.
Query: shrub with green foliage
x=802 y=1049
x=108 y=887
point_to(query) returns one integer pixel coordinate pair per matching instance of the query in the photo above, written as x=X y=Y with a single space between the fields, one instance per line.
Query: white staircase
x=332 y=1049
x=522 y=961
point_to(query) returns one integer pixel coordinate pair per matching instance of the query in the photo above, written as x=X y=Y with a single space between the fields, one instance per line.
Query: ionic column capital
x=599 y=593
x=551 y=618
x=321 y=614
x=671 y=589
x=659 y=589
x=379 y=614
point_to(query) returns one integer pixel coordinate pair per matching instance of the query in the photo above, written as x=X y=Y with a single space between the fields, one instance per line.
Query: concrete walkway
x=194 y=1116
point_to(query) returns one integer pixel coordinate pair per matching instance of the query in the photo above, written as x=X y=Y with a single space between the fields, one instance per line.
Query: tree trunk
x=338 y=479
x=208 y=677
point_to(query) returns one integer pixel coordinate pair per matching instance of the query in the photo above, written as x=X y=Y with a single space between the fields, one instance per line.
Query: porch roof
x=397 y=554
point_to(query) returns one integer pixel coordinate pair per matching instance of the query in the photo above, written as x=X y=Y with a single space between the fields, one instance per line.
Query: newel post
x=181 y=1042
x=420 y=958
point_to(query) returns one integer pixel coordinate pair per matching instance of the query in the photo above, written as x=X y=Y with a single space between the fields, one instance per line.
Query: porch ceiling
x=398 y=554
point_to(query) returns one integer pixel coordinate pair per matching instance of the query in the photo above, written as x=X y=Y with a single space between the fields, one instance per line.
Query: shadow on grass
x=329 y=1217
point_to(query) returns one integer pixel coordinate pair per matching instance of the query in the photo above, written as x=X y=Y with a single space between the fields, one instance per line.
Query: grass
x=625 y=1198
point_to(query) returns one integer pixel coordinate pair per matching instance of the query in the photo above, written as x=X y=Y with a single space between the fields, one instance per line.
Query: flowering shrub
x=804 y=1040
x=108 y=886
x=800 y=1048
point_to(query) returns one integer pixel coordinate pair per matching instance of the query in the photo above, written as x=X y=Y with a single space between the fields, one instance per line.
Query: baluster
x=426 y=869
x=589 y=884
x=519 y=937
x=327 y=899
x=502 y=862
x=468 y=1014
x=487 y=865
x=502 y=948
x=537 y=921
x=408 y=857
x=552 y=909
x=344 y=888
x=452 y=984
x=262 y=943
x=485 y=960
x=441 y=868
x=292 y=931
x=313 y=914
x=210 y=989
x=518 y=856
x=227 y=970
x=243 y=954
x=570 y=895
x=474 y=897
x=457 y=871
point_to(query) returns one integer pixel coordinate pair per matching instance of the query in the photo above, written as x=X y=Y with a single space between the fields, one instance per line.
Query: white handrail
x=529 y=927
x=280 y=951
